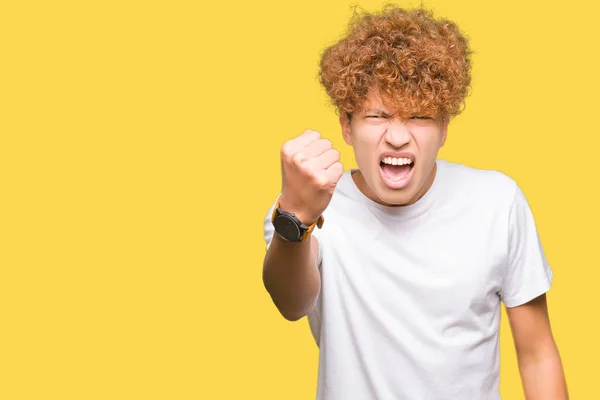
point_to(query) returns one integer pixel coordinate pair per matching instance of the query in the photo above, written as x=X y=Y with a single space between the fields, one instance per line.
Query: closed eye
x=377 y=116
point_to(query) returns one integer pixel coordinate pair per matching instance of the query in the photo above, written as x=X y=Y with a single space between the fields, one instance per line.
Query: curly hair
x=418 y=64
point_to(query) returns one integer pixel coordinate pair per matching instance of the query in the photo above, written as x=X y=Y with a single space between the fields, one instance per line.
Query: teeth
x=397 y=161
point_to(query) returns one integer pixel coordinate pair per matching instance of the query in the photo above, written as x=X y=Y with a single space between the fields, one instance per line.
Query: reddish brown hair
x=420 y=65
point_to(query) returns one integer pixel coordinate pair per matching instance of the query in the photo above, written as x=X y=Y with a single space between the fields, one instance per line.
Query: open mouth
x=396 y=171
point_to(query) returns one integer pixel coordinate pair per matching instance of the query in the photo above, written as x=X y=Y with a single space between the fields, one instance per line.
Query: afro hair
x=420 y=65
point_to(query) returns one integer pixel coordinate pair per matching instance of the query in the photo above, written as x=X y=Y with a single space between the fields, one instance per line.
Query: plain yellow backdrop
x=139 y=145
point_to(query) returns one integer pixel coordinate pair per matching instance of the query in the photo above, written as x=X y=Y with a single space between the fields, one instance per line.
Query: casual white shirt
x=410 y=300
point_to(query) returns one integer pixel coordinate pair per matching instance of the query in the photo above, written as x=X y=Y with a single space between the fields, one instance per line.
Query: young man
x=401 y=264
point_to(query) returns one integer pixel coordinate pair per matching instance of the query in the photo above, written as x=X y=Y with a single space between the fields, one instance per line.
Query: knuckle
x=297 y=158
x=286 y=149
x=320 y=180
x=337 y=168
x=314 y=134
x=308 y=167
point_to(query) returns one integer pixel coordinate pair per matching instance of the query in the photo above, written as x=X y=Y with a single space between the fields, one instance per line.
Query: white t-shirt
x=410 y=300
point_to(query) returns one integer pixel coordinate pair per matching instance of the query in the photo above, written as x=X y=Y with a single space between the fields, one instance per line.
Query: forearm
x=543 y=376
x=291 y=276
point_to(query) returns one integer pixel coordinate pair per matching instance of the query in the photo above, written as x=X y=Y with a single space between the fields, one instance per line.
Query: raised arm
x=310 y=172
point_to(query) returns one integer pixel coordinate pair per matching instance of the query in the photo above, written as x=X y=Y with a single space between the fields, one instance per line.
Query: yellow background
x=139 y=149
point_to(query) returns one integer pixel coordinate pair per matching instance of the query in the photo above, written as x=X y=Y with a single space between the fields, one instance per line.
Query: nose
x=397 y=134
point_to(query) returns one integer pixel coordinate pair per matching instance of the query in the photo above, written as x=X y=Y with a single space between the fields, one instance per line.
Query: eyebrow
x=376 y=111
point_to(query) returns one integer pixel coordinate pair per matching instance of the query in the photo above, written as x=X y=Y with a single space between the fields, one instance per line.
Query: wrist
x=293 y=224
x=305 y=217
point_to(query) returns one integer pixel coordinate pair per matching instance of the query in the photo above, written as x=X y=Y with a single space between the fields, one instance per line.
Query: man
x=401 y=264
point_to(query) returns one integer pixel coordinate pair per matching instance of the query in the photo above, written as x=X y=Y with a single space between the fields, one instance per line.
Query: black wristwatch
x=290 y=228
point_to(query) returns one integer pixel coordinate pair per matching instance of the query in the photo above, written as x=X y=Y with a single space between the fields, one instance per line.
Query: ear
x=444 y=132
x=346 y=128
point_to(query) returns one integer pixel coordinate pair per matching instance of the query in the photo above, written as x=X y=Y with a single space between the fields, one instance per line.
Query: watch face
x=286 y=228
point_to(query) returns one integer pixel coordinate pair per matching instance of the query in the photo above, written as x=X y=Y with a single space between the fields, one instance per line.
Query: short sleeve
x=268 y=226
x=528 y=274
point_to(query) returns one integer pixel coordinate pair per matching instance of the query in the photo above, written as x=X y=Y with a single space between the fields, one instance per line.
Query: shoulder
x=477 y=184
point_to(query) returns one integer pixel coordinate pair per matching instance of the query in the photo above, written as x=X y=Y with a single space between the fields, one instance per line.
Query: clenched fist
x=311 y=169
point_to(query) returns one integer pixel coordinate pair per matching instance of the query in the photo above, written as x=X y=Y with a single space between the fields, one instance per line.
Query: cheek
x=365 y=148
x=368 y=137
x=428 y=142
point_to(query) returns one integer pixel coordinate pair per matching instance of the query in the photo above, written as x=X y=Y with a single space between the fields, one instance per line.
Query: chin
x=400 y=191
x=395 y=197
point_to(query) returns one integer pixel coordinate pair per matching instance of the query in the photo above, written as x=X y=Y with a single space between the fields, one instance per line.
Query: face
x=396 y=158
